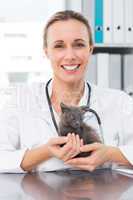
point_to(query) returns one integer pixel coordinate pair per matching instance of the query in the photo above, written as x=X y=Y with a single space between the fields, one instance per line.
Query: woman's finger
x=78 y=144
x=89 y=147
x=58 y=140
x=77 y=161
x=81 y=142
x=85 y=167
x=71 y=152
x=66 y=149
x=73 y=145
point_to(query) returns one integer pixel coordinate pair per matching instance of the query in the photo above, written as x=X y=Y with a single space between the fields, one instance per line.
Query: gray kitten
x=71 y=121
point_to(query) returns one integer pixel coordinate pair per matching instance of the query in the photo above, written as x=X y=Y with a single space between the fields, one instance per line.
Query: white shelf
x=114 y=45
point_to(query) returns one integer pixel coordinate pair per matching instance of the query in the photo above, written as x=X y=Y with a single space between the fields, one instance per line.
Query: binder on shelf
x=118 y=21
x=91 y=72
x=107 y=21
x=98 y=21
x=103 y=70
x=91 y=16
x=128 y=73
x=128 y=21
x=18 y=77
x=74 y=5
x=115 y=71
x=88 y=10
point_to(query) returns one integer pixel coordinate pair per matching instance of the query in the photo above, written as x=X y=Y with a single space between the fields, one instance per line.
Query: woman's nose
x=70 y=53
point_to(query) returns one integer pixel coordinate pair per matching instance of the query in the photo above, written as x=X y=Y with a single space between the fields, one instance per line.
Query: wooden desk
x=99 y=185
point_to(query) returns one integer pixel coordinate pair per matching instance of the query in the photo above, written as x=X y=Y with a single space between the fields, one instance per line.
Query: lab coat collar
x=83 y=100
x=93 y=98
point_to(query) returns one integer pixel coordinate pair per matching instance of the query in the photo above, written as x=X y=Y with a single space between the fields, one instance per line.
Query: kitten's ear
x=84 y=109
x=64 y=108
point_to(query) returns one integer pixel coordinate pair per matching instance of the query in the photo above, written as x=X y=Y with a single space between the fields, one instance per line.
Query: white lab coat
x=25 y=123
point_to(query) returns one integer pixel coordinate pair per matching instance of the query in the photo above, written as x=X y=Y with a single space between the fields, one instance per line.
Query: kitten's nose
x=77 y=124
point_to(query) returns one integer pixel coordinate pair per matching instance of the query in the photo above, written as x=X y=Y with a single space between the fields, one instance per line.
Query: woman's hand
x=100 y=154
x=71 y=146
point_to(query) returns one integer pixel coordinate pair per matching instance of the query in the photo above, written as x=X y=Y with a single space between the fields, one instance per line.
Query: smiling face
x=68 y=50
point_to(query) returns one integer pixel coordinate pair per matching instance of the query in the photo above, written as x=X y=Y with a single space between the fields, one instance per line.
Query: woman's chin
x=71 y=80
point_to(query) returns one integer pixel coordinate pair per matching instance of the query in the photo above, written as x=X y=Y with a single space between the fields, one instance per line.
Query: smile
x=70 y=67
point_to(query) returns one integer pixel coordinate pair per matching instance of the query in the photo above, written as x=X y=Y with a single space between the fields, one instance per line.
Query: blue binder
x=98 y=21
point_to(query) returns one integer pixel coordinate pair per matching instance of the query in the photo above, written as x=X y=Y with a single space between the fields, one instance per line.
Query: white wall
x=25 y=10
x=21 y=32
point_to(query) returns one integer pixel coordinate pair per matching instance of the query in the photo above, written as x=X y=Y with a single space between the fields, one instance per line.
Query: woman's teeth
x=70 y=67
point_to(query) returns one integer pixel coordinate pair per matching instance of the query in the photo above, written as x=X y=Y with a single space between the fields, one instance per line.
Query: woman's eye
x=58 y=46
x=79 y=45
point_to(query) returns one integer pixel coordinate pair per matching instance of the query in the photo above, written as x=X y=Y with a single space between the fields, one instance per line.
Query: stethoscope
x=88 y=104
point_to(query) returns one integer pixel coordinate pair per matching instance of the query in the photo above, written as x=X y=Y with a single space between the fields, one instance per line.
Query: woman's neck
x=69 y=94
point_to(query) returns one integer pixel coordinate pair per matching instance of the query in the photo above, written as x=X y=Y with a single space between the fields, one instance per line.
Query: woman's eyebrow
x=79 y=40
x=58 y=41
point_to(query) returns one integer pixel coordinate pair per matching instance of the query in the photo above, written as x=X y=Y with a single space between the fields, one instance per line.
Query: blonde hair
x=64 y=16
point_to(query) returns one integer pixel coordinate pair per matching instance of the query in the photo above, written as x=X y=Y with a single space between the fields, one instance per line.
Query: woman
x=28 y=138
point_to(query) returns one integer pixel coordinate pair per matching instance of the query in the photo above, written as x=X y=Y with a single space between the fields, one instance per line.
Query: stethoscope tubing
x=88 y=104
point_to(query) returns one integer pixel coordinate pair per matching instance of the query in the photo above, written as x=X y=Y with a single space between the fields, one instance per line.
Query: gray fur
x=71 y=121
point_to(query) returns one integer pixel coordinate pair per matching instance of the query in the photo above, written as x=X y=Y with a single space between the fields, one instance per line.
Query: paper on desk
x=125 y=171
